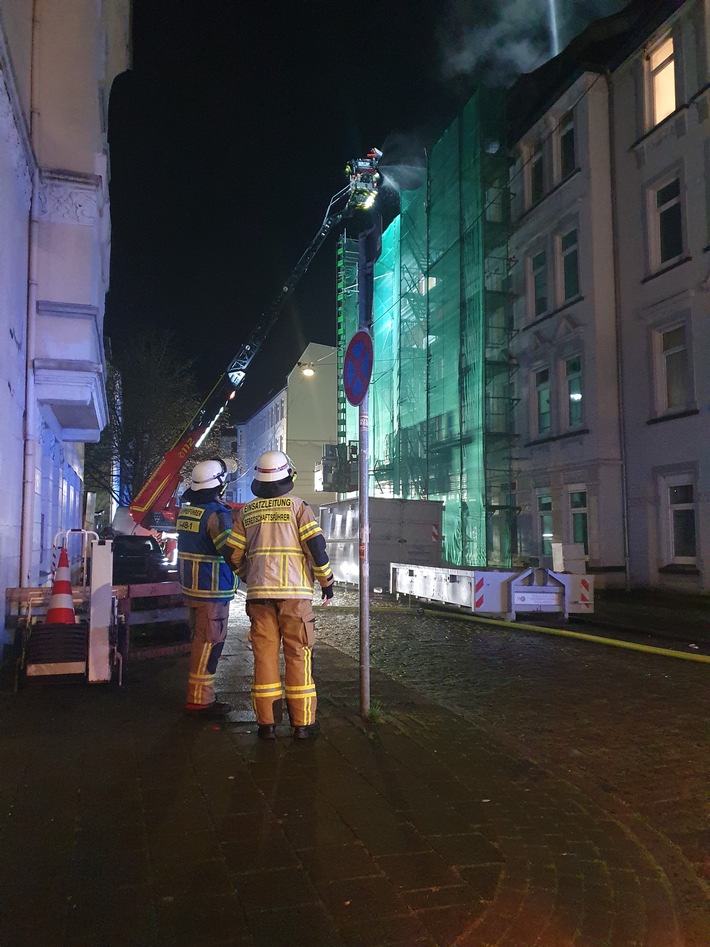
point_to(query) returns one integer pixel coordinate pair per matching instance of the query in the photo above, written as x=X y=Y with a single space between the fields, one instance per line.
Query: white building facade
x=299 y=420
x=661 y=161
x=57 y=61
x=610 y=272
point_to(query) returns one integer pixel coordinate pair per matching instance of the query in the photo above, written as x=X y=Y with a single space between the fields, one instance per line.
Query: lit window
x=539 y=279
x=574 y=391
x=674 y=362
x=537 y=175
x=544 y=512
x=567 y=150
x=669 y=221
x=570 y=265
x=578 y=518
x=662 y=69
x=542 y=401
x=425 y=284
x=680 y=509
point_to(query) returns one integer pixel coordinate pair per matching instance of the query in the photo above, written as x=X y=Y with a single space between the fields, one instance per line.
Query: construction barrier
x=496 y=591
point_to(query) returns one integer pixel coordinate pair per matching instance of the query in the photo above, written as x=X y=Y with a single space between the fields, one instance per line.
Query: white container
x=407 y=530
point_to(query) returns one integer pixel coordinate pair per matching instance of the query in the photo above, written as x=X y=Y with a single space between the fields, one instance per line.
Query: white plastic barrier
x=492 y=594
x=496 y=591
x=536 y=590
x=579 y=592
x=476 y=591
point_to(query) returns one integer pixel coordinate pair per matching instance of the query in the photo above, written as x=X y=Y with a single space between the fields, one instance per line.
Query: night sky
x=231 y=133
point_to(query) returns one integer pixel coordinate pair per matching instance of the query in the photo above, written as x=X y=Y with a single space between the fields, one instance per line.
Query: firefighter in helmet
x=281 y=553
x=207 y=579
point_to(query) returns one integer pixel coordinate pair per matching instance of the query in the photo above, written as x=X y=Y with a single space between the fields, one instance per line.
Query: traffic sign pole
x=369 y=248
x=364 y=572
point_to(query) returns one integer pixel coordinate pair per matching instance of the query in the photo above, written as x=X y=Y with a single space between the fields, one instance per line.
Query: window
x=662 y=75
x=544 y=514
x=567 y=152
x=570 y=265
x=680 y=509
x=537 y=175
x=669 y=221
x=674 y=363
x=573 y=368
x=578 y=518
x=494 y=201
x=542 y=401
x=539 y=280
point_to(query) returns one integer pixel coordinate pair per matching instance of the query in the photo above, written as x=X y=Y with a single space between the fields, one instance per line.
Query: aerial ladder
x=155 y=504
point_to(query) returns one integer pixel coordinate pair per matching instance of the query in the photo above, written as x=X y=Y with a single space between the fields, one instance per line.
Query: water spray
x=554 y=29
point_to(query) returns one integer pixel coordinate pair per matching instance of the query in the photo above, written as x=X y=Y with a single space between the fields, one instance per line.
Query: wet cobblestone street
x=513 y=789
x=628 y=729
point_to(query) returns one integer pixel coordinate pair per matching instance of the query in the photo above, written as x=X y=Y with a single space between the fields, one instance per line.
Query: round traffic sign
x=357 y=367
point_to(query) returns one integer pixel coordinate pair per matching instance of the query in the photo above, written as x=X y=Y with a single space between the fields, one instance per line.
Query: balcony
x=69 y=375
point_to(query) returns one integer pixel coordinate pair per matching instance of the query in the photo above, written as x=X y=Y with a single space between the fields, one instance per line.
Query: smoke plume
x=512 y=36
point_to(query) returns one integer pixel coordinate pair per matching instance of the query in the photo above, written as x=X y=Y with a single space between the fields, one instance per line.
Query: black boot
x=267 y=731
x=216 y=709
x=306 y=733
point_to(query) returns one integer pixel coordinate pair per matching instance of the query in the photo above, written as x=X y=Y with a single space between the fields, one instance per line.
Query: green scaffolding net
x=440 y=402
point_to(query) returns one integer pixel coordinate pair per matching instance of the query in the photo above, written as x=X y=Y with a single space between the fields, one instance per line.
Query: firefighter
x=280 y=553
x=207 y=579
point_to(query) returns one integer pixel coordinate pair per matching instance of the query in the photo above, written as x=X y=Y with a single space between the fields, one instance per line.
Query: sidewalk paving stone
x=462 y=818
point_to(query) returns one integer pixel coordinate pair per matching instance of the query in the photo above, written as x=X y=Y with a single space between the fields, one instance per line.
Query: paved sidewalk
x=124 y=823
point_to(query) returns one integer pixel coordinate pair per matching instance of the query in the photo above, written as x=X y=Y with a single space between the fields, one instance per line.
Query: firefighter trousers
x=208 y=628
x=292 y=622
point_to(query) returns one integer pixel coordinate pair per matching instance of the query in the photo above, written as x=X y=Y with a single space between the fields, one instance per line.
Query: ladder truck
x=155 y=505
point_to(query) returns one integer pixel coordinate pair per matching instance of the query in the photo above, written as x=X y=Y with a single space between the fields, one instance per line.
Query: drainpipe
x=30 y=413
x=617 y=324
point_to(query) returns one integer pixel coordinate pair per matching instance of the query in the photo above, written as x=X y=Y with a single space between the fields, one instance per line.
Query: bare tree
x=152 y=395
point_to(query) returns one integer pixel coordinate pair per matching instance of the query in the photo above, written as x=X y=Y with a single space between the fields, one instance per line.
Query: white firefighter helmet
x=209 y=474
x=272 y=466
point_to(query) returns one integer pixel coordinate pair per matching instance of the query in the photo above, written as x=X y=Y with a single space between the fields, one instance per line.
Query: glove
x=327 y=594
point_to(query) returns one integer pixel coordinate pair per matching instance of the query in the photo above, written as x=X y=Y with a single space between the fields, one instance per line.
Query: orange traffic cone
x=60 y=610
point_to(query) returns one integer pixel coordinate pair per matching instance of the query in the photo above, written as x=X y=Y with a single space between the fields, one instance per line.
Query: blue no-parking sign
x=357 y=367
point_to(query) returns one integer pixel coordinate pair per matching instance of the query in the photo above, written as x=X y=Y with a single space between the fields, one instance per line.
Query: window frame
x=654 y=72
x=668 y=508
x=566 y=125
x=578 y=511
x=537 y=388
x=661 y=355
x=571 y=424
x=655 y=215
x=562 y=254
x=544 y=270
x=544 y=539
x=536 y=159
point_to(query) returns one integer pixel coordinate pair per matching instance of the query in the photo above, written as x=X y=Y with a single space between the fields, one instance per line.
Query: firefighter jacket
x=204 y=552
x=280 y=549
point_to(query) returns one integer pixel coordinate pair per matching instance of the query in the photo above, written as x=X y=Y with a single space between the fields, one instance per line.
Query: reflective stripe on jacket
x=203 y=535
x=280 y=549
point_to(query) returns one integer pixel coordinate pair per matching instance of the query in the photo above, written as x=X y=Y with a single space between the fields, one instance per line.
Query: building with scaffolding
x=441 y=408
x=541 y=314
